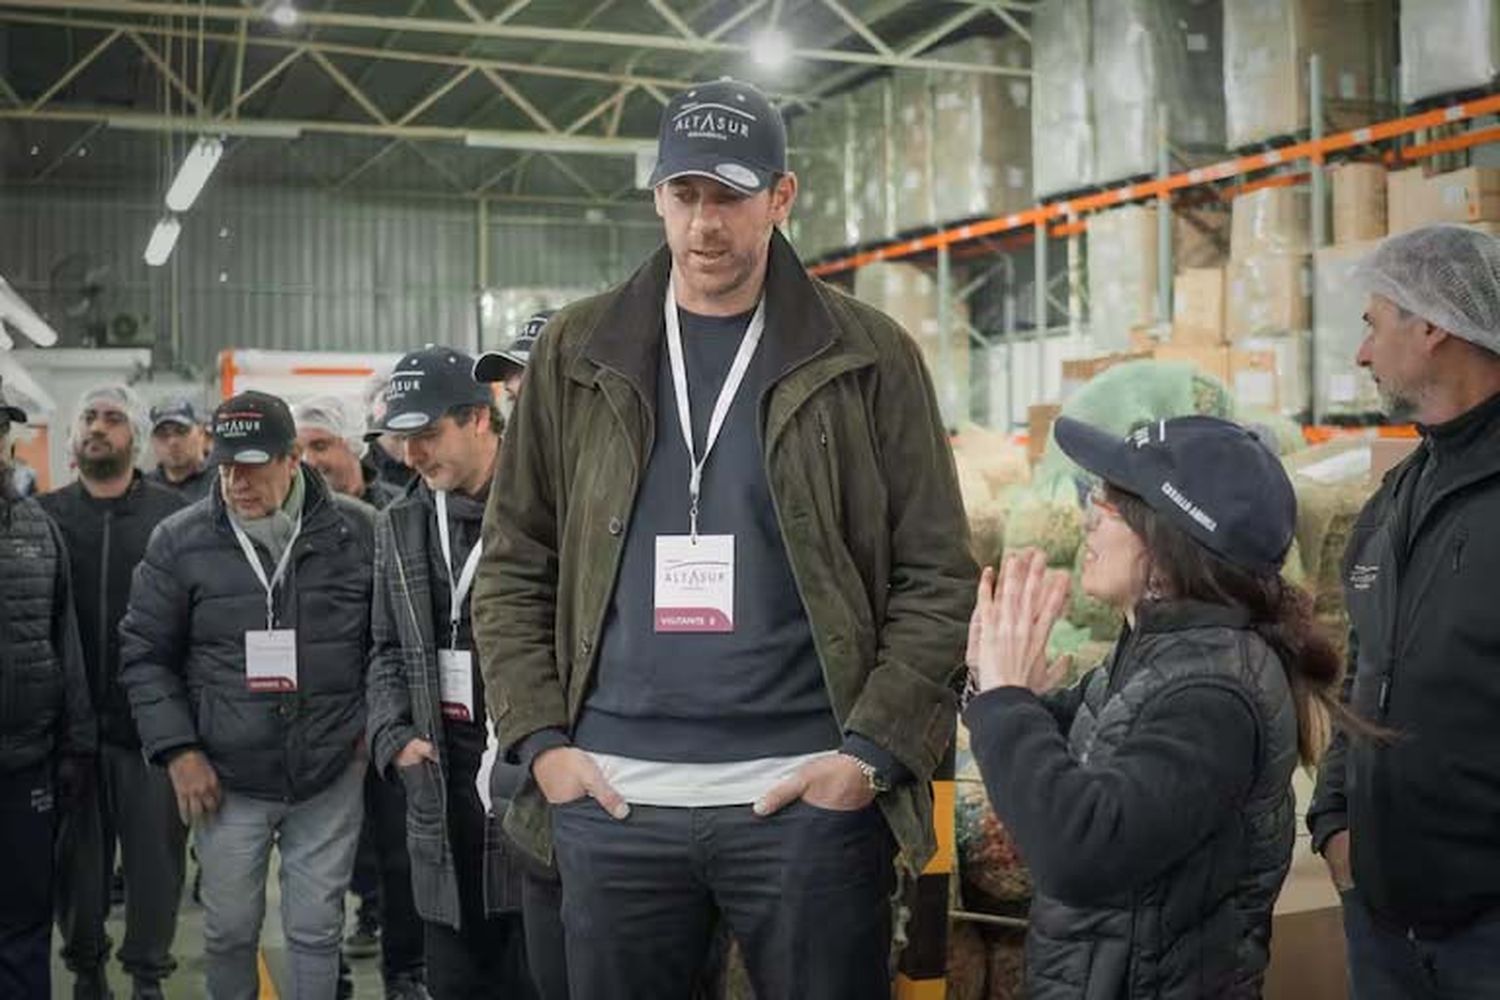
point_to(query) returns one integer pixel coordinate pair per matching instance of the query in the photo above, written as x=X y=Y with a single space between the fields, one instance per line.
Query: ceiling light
x=163 y=240
x=241 y=127
x=771 y=49
x=194 y=173
x=284 y=15
x=561 y=142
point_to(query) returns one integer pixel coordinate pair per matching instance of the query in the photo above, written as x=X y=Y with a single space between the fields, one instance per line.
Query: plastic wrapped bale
x=819 y=146
x=1046 y=516
x=1007 y=966
x=993 y=455
x=1137 y=392
x=1332 y=483
x=1281 y=434
x=870 y=209
x=981 y=143
x=987 y=532
x=912 y=157
x=968 y=962
x=1121 y=259
x=1062 y=133
x=1448 y=46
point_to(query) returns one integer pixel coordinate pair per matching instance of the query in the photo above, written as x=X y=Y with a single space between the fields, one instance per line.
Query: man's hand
x=415 y=752
x=566 y=774
x=196 y=785
x=1336 y=854
x=834 y=782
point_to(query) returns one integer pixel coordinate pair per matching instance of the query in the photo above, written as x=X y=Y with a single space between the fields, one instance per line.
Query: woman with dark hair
x=1152 y=800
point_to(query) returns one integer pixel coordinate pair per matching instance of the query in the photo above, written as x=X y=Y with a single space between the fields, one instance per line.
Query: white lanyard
x=459 y=589
x=731 y=389
x=253 y=558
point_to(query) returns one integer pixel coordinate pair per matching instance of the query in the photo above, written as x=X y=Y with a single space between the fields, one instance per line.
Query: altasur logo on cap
x=237 y=424
x=713 y=121
x=402 y=384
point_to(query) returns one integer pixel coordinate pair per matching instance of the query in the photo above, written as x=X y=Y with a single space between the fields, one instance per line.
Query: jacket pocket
x=425 y=830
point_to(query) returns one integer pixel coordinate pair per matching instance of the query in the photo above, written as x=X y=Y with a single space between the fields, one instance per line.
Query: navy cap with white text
x=727 y=131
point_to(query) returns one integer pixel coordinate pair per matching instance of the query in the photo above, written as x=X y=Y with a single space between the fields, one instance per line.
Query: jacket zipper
x=106 y=678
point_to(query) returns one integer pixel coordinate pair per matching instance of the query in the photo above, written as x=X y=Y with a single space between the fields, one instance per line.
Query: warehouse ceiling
x=538 y=101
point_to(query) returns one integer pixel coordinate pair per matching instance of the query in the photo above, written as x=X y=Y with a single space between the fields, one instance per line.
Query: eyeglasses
x=1096 y=505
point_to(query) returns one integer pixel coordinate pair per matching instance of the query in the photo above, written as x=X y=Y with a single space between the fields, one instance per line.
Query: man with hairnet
x=1408 y=824
x=178 y=439
x=107 y=516
x=332 y=440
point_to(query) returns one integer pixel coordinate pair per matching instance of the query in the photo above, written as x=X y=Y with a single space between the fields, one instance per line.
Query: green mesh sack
x=1277 y=430
x=1122 y=398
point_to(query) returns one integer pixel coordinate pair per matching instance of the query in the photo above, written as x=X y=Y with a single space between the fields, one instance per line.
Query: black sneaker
x=91 y=986
x=364 y=940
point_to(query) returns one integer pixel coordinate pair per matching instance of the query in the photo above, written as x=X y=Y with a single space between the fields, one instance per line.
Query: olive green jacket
x=866 y=496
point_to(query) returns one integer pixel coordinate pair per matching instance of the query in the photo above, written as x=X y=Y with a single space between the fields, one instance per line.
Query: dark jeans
x=1385 y=964
x=486 y=957
x=806 y=892
x=546 y=949
x=28 y=819
x=132 y=804
x=400 y=927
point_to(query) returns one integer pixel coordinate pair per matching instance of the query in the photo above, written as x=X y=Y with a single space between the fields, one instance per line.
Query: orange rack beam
x=1313 y=149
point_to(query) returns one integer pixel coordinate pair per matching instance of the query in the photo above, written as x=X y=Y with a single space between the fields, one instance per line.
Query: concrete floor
x=187 y=982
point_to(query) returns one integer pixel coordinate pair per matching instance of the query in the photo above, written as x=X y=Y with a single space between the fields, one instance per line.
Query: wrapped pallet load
x=1149 y=55
x=909 y=295
x=1448 y=46
x=981 y=142
x=1343 y=388
x=818 y=151
x=1267 y=44
x=870 y=188
x=1121 y=259
x=912 y=152
x=1062 y=138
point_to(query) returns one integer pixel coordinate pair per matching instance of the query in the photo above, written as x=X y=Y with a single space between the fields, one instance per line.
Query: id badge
x=456 y=684
x=271 y=660
x=694 y=589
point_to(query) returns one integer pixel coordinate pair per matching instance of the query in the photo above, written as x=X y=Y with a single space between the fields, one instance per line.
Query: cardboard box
x=1121 y=259
x=1198 y=307
x=1039 y=420
x=1254 y=379
x=1269 y=221
x=1266 y=295
x=1212 y=361
x=1288 y=372
x=1403 y=197
x=1468 y=195
x=1342 y=387
x=1359 y=194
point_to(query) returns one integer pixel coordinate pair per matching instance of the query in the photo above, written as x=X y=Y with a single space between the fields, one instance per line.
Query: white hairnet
x=334 y=415
x=1447 y=275
x=120 y=397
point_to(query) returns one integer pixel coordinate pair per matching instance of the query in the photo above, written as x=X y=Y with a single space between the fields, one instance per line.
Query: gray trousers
x=316 y=839
x=132 y=805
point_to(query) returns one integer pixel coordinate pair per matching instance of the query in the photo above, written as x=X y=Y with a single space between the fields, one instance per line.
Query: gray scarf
x=274 y=531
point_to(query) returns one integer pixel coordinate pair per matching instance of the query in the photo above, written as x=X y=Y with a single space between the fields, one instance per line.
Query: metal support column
x=1319 y=212
x=1039 y=307
x=1075 y=279
x=950 y=406
x=1008 y=328
x=1163 y=223
x=481 y=265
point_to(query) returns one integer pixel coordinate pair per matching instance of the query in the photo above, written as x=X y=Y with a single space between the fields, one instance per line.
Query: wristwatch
x=878 y=783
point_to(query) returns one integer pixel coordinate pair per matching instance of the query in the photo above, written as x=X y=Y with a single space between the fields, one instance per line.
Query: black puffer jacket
x=106 y=539
x=1159 y=829
x=183 y=653
x=44 y=695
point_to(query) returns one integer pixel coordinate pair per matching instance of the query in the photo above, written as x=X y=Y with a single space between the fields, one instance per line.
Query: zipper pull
x=1385 y=693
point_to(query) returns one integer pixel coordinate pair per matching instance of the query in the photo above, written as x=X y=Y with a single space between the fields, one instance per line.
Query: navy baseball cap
x=1211 y=478
x=497 y=366
x=12 y=413
x=175 y=411
x=252 y=429
x=424 y=386
x=727 y=131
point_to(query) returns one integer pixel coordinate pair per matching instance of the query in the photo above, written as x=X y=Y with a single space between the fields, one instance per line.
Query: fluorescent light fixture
x=284 y=14
x=163 y=240
x=15 y=312
x=771 y=49
x=546 y=142
x=238 y=127
x=194 y=173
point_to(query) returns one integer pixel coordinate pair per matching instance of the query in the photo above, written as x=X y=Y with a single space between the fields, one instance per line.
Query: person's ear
x=783 y=195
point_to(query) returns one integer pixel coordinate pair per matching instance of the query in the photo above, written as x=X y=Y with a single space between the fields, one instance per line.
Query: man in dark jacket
x=177 y=438
x=1408 y=824
x=244 y=653
x=107 y=516
x=47 y=731
x=428 y=724
x=725 y=593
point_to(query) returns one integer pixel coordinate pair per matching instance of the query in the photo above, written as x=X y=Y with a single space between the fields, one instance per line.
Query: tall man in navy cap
x=724 y=594
x=244 y=654
x=428 y=723
x=177 y=439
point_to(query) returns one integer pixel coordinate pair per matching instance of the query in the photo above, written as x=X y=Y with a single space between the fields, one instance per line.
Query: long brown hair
x=1281 y=612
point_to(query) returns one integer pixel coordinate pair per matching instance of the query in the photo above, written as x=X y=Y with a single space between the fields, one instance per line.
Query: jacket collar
x=628 y=334
x=318 y=509
x=1178 y=616
x=1470 y=435
x=125 y=501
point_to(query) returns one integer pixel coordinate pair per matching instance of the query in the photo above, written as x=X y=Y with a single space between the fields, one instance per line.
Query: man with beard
x=107 y=516
x=1407 y=824
x=47 y=736
x=177 y=438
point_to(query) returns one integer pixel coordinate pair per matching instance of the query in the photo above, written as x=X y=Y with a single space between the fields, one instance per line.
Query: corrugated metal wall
x=269 y=268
